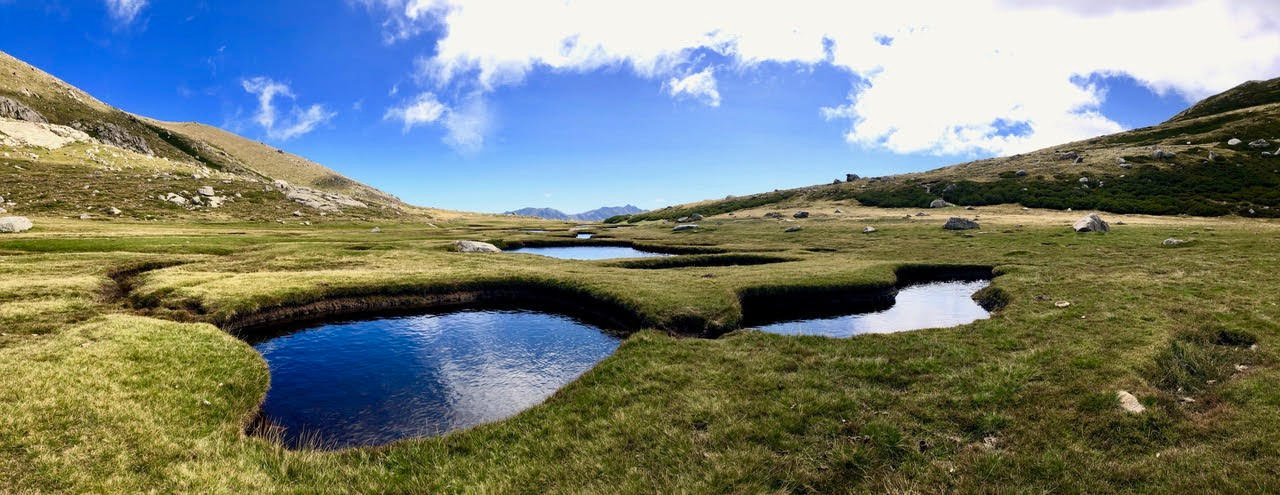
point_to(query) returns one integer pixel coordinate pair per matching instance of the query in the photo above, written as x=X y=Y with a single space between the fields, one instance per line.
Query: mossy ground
x=106 y=392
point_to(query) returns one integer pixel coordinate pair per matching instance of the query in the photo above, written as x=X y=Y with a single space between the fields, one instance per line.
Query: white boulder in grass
x=13 y=225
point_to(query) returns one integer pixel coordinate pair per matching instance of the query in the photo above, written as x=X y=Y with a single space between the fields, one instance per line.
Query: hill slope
x=65 y=152
x=1183 y=166
x=595 y=215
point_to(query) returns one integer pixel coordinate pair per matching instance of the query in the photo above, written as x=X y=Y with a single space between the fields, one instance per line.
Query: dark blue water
x=375 y=381
x=934 y=305
x=588 y=252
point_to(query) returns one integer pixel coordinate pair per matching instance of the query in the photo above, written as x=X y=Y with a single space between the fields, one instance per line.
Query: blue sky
x=492 y=106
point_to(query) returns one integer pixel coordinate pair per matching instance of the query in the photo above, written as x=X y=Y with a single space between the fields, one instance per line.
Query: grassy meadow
x=115 y=376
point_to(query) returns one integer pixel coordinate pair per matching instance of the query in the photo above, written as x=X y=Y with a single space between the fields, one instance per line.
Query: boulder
x=682 y=219
x=114 y=135
x=1079 y=160
x=1234 y=142
x=774 y=215
x=1163 y=155
x=205 y=191
x=1070 y=155
x=793 y=228
x=375 y=230
x=1259 y=144
x=850 y=177
x=1129 y=403
x=113 y=211
x=684 y=227
x=939 y=203
x=1121 y=161
x=957 y=223
x=475 y=247
x=13 y=109
x=1020 y=173
x=13 y=225
x=868 y=229
x=695 y=217
x=176 y=199
x=1171 y=242
x=801 y=214
x=1092 y=223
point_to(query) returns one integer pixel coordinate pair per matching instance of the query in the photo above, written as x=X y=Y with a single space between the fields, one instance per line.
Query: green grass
x=95 y=397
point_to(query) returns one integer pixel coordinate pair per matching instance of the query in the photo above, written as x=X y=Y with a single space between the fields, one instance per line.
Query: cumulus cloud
x=988 y=76
x=296 y=122
x=699 y=85
x=125 y=11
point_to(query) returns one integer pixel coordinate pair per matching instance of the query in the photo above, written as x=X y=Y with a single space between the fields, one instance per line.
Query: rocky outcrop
x=1092 y=223
x=475 y=247
x=939 y=203
x=957 y=223
x=13 y=225
x=1162 y=155
x=320 y=200
x=13 y=109
x=114 y=135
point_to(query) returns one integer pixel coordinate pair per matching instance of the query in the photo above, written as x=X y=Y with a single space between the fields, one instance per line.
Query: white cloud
x=955 y=76
x=125 y=11
x=425 y=109
x=699 y=85
x=466 y=124
x=297 y=122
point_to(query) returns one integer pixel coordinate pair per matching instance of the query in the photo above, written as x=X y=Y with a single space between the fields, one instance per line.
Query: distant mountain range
x=595 y=215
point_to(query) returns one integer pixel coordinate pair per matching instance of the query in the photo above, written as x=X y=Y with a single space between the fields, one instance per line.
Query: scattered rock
x=957 y=223
x=939 y=203
x=1129 y=403
x=851 y=177
x=1070 y=155
x=375 y=230
x=774 y=215
x=1084 y=180
x=1163 y=155
x=1213 y=157
x=1062 y=304
x=475 y=247
x=801 y=214
x=1079 y=160
x=1170 y=242
x=684 y=227
x=1092 y=223
x=969 y=208
x=868 y=229
x=205 y=191
x=1234 y=142
x=1121 y=161
x=1020 y=173
x=13 y=109
x=682 y=219
x=1241 y=367
x=1259 y=144
x=176 y=199
x=297 y=213
x=695 y=217
x=838 y=211
x=793 y=229
x=13 y=225
x=113 y=211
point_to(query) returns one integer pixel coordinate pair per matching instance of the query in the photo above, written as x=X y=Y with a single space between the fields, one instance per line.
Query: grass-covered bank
x=94 y=397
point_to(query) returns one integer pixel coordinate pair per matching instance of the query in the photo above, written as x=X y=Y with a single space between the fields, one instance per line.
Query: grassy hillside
x=1118 y=173
x=127 y=162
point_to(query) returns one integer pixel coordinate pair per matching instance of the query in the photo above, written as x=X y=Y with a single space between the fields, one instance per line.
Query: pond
x=930 y=305
x=375 y=381
x=588 y=252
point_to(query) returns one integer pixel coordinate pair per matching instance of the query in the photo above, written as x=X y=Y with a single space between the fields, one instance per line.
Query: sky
x=496 y=105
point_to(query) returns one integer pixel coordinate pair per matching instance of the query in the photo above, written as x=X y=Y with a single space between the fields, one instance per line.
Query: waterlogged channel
x=588 y=252
x=929 y=305
x=376 y=381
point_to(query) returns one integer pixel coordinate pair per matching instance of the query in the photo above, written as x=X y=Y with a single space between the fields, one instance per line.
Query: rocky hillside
x=63 y=152
x=1219 y=157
